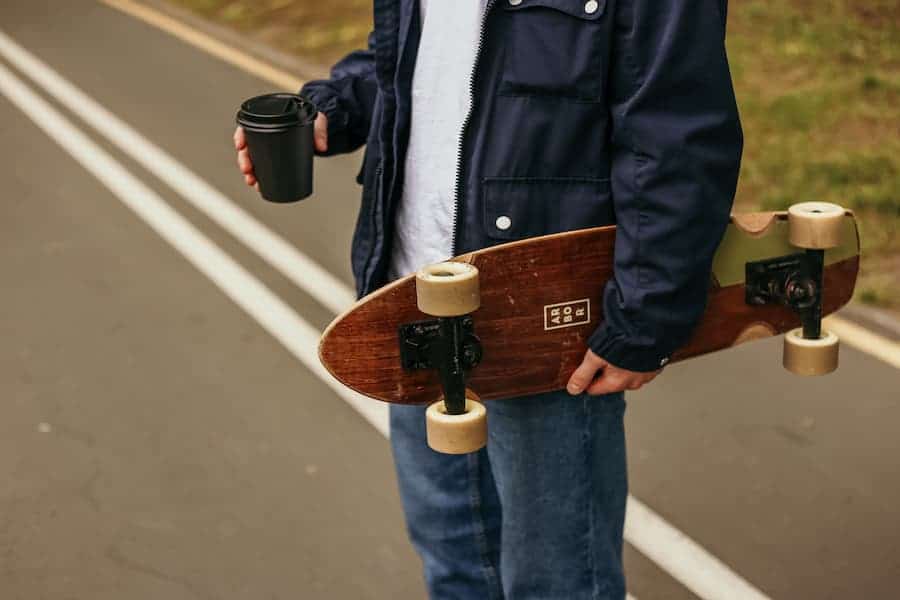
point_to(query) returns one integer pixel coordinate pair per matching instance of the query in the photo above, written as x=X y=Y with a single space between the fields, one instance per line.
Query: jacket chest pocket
x=553 y=48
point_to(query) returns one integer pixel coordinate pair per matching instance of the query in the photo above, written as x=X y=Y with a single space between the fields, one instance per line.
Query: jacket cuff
x=328 y=103
x=614 y=348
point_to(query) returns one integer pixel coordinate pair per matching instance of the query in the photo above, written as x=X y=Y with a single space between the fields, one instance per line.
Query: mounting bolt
x=800 y=292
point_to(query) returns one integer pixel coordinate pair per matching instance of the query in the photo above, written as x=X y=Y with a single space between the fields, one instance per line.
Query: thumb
x=584 y=374
x=320 y=130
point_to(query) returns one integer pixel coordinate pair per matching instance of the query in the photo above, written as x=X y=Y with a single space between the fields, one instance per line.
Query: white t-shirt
x=440 y=103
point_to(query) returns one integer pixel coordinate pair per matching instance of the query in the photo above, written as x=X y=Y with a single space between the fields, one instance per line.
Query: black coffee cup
x=279 y=133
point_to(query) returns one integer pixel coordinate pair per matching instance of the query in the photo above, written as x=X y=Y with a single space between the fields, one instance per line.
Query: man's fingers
x=320 y=129
x=619 y=380
x=581 y=378
x=243 y=158
x=607 y=383
x=244 y=164
x=585 y=373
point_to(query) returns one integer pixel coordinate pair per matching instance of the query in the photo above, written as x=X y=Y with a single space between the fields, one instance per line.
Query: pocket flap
x=589 y=10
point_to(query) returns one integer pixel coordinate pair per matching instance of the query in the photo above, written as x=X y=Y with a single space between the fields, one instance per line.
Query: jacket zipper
x=457 y=194
x=376 y=194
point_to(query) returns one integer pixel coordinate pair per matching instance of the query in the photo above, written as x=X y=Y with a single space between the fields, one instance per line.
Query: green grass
x=818 y=84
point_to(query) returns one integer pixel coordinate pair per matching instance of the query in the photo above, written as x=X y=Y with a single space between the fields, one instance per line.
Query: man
x=487 y=121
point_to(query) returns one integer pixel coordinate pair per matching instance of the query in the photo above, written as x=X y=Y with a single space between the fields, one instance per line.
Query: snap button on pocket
x=515 y=2
x=503 y=222
x=590 y=7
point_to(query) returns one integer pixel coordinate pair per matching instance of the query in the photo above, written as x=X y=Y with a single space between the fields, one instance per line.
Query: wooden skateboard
x=514 y=319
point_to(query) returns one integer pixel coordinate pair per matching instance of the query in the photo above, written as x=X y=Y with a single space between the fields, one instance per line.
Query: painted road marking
x=710 y=578
x=304 y=272
x=686 y=561
x=208 y=44
x=272 y=313
x=862 y=339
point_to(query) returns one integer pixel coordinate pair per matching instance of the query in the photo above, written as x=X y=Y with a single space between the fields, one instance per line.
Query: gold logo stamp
x=567 y=314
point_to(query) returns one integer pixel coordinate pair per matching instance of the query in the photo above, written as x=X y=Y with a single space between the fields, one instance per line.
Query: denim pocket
x=523 y=207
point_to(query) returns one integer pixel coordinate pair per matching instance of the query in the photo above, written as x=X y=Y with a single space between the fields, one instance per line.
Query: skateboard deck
x=541 y=300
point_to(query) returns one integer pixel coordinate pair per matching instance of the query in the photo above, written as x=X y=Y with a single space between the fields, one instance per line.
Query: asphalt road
x=156 y=442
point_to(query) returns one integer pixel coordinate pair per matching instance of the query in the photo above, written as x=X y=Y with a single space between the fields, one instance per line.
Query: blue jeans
x=538 y=514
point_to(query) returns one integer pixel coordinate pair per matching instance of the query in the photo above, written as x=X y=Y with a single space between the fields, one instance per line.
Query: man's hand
x=611 y=379
x=320 y=134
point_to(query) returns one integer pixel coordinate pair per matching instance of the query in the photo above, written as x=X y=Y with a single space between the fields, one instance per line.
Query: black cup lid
x=275 y=110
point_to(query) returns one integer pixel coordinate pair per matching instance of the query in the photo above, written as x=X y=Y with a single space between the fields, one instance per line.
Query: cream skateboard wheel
x=456 y=434
x=810 y=357
x=447 y=289
x=815 y=225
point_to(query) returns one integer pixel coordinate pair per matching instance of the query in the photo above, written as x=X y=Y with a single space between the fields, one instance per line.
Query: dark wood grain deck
x=518 y=281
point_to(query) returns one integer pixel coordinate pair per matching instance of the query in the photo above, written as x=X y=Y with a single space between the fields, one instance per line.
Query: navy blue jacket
x=584 y=113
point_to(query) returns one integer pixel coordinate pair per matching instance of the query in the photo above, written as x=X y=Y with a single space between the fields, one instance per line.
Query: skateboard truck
x=447 y=344
x=796 y=281
x=457 y=422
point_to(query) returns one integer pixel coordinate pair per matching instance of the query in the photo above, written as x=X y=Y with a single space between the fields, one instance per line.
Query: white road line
x=685 y=560
x=861 y=338
x=327 y=289
x=273 y=314
x=674 y=552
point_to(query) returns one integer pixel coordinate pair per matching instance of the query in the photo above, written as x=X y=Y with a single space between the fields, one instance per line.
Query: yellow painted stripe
x=864 y=340
x=282 y=79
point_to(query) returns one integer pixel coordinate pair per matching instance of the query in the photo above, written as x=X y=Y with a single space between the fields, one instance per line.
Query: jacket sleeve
x=347 y=98
x=676 y=144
